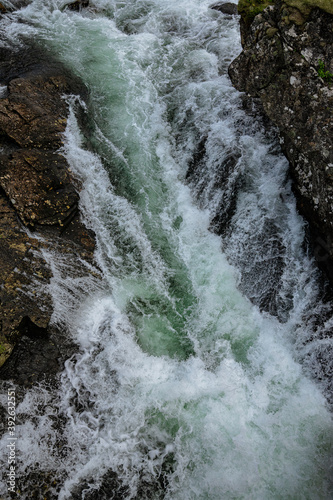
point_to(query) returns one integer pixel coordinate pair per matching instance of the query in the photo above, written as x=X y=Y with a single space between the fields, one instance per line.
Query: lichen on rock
x=248 y=9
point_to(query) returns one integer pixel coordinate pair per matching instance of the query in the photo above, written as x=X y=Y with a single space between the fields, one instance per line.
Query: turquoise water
x=182 y=388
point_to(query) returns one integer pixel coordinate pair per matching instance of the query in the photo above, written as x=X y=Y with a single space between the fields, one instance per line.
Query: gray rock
x=225 y=7
x=283 y=51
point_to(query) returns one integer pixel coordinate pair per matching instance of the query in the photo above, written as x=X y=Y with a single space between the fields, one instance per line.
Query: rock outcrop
x=38 y=211
x=287 y=63
x=225 y=7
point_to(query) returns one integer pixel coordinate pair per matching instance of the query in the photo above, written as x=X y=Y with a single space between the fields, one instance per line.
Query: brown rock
x=36 y=190
x=48 y=196
x=33 y=114
x=78 y=5
x=21 y=265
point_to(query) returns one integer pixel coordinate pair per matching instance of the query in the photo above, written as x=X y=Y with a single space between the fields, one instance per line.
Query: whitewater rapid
x=182 y=387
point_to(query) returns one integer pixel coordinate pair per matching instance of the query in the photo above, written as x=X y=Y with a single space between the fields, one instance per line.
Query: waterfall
x=194 y=374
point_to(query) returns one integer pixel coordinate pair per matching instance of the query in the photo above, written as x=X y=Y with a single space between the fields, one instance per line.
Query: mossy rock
x=5 y=351
x=305 y=6
x=249 y=9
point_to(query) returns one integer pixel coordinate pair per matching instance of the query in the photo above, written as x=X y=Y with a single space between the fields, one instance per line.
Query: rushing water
x=183 y=387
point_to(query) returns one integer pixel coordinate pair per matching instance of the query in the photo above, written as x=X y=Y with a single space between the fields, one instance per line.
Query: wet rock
x=229 y=180
x=38 y=212
x=262 y=264
x=195 y=164
x=48 y=197
x=31 y=360
x=226 y=179
x=225 y=7
x=21 y=266
x=78 y=5
x=33 y=112
x=284 y=48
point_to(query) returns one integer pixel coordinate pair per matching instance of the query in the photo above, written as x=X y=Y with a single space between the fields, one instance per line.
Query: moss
x=322 y=73
x=296 y=17
x=5 y=350
x=305 y=6
x=271 y=32
x=248 y=9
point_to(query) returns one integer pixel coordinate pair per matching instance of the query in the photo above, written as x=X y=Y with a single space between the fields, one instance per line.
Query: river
x=195 y=373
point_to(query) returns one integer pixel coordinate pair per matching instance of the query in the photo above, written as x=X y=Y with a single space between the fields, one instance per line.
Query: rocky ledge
x=287 y=64
x=38 y=212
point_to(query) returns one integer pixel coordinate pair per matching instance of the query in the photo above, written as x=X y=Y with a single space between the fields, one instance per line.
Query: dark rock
x=226 y=179
x=31 y=360
x=196 y=161
x=37 y=191
x=282 y=50
x=225 y=7
x=262 y=265
x=102 y=491
x=78 y=5
x=21 y=265
x=48 y=197
x=33 y=114
x=229 y=180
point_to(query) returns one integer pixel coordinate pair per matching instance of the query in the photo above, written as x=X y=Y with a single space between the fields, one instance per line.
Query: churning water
x=194 y=374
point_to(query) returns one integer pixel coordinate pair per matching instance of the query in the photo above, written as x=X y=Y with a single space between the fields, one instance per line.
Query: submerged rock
x=77 y=5
x=306 y=6
x=287 y=62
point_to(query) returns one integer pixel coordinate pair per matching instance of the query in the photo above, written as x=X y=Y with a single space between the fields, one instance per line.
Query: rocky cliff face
x=287 y=63
x=38 y=211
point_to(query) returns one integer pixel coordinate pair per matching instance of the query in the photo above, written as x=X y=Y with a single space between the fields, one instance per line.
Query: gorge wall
x=287 y=64
x=38 y=212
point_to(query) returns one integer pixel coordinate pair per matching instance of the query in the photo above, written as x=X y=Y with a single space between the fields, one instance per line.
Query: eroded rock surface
x=38 y=212
x=286 y=62
x=32 y=121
